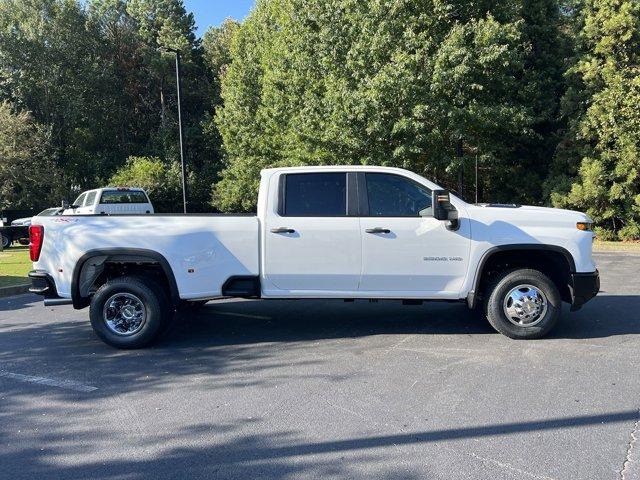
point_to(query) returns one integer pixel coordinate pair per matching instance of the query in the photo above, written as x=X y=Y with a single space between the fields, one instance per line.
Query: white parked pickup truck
x=320 y=232
x=111 y=201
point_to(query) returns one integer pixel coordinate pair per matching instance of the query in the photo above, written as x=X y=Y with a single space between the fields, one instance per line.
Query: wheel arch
x=541 y=256
x=85 y=273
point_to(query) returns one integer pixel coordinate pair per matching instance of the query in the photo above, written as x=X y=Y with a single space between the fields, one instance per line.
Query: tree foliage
x=607 y=132
x=99 y=75
x=542 y=93
x=399 y=83
x=28 y=176
x=161 y=181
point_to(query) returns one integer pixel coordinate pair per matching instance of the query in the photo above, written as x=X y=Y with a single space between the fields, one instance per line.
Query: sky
x=213 y=12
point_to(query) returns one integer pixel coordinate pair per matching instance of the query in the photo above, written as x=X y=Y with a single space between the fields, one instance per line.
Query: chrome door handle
x=378 y=230
x=282 y=230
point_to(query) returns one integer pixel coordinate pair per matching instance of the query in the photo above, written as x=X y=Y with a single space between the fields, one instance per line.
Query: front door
x=312 y=245
x=405 y=251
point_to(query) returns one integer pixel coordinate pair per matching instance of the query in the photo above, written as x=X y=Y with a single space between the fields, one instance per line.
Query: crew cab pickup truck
x=320 y=232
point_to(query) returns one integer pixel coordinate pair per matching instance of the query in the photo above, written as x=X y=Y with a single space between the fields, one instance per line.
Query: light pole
x=460 y=155
x=181 y=131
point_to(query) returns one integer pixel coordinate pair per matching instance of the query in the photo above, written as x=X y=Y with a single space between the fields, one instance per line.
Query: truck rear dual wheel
x=522 y=304
x=6 y=241
x=129 y=312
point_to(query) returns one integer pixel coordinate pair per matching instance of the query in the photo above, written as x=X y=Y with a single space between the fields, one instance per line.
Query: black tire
x=6 y=241
x=497 y=294
x=153 y=301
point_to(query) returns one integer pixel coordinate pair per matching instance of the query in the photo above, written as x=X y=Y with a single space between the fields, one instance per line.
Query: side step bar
x=52 y=302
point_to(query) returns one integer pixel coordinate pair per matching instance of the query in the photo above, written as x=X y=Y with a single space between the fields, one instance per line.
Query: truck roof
x=267 y=172
x=335 y=167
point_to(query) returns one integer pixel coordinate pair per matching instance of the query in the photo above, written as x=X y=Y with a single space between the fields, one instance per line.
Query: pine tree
x=607 y=132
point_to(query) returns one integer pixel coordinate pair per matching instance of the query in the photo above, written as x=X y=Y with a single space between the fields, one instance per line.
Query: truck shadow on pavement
x=286 y=320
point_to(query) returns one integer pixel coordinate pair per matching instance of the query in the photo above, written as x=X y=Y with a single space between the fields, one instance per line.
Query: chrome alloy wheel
x=124 y=314
x=525 y=305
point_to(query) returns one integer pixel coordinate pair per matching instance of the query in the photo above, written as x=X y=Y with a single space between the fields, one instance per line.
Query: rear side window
x=124 y=196
x=315 y=195
x=91 y=197
x=396 y=196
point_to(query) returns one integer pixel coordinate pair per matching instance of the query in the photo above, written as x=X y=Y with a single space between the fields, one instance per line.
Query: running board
x=52 y=302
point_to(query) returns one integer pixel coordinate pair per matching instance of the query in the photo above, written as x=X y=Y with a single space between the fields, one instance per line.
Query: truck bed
x=203 y=251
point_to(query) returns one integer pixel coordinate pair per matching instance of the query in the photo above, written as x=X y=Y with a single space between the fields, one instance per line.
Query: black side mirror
x=443 y=210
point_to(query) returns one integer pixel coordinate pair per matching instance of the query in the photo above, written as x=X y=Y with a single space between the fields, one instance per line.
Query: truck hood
x=26 y=221
x=526 y=215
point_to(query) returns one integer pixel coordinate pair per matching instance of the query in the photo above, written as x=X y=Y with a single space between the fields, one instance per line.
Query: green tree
x=98 y=75
x=164 y=25
x=606 y=134
x=216 y=43
x=399 y=83
x=161 y=181
x=49 y=65
x=29 y=178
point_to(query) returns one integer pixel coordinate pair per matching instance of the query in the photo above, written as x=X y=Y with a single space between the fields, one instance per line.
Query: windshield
x=48 y=212
x=80 y=200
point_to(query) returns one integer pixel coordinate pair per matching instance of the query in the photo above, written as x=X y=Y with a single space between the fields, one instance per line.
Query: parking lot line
x=631 y=467
x=51 y=382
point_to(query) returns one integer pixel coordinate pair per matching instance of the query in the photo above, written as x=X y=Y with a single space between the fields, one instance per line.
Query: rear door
x=312 y=244
x=405 y=251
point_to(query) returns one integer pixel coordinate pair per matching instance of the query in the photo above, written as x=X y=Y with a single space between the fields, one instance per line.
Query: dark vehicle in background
x=26 y=221
x=17 y=229
x=14 y=233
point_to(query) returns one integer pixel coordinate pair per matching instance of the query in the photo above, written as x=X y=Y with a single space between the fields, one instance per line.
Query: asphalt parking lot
x=316 y=389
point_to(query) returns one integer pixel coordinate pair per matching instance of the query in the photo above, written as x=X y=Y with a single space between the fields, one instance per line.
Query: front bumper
x=583 y=287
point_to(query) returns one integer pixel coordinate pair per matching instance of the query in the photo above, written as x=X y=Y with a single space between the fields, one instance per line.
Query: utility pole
x=181 y=131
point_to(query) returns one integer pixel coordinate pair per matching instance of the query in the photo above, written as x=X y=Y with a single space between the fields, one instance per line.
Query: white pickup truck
x=111 y=201
x=320 y=232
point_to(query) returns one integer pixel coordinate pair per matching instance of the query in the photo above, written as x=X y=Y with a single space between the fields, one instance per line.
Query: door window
x=315 y=195
x=91 y=197
x=395 y=196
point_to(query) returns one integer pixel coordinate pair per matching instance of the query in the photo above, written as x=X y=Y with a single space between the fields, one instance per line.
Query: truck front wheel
x=522 y=304
x=129 y=312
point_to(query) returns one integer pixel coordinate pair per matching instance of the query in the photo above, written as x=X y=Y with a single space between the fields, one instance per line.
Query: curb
x=13 y=290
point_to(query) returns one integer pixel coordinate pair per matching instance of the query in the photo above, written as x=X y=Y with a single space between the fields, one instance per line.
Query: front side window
x=315 y=195
x=123 y=196
x=395 y=196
